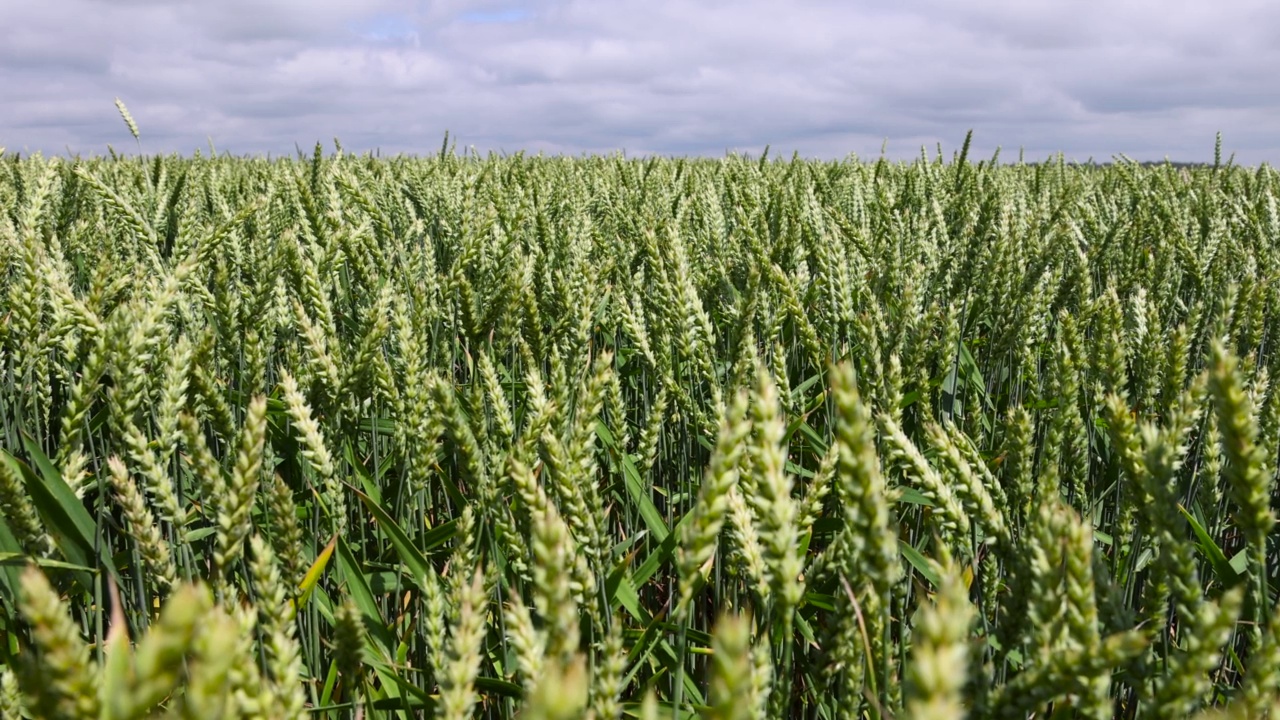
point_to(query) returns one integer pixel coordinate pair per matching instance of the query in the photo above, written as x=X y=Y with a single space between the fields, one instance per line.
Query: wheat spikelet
x=234 y=522
x=731 y=670
x=142 y=526
x=462 y=664
x=128 y=119
x=939 y=663
x=20 y=515
x=316 y=451
x=62 y=680
x=275 y=616
x=698 y=541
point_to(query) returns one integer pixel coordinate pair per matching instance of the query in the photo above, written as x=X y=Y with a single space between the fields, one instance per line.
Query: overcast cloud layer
x=1093 y=78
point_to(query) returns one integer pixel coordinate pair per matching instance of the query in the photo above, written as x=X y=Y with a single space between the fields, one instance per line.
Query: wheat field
x=462 y=436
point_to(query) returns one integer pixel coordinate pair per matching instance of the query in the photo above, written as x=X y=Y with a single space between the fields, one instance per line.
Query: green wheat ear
x=128 y=119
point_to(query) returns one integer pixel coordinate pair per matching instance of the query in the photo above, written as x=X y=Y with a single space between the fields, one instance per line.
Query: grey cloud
x=1091 y=78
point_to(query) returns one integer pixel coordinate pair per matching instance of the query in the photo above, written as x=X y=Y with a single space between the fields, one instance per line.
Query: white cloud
x=1091 y=78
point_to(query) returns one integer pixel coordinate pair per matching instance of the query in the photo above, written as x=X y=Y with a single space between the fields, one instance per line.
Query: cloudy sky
x=1094 y=78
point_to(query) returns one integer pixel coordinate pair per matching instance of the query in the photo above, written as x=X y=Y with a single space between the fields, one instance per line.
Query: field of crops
x=600 y=437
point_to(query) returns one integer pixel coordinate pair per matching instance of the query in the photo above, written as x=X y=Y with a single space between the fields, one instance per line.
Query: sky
x=1091 y=78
